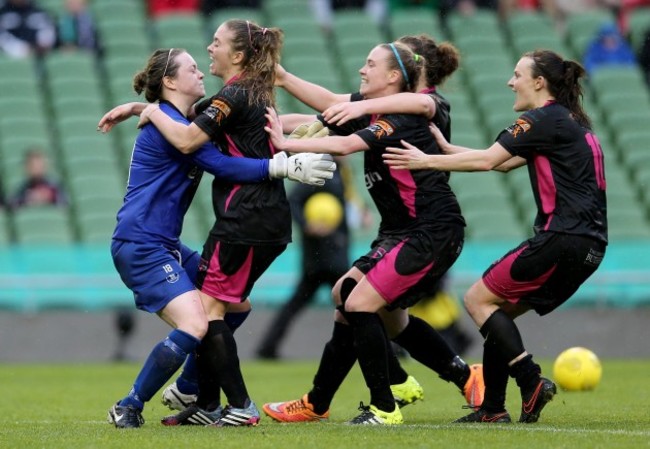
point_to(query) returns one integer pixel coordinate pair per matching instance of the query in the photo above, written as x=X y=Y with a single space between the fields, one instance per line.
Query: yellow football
x=324 y=210
x=577 y=369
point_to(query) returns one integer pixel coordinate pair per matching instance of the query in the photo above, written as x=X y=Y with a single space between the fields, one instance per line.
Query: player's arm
x=456 y=158
x=308 y=169
x=118 y=114
x=311 y=94
x=401 y=103
x=292 y=121
x=337 y=145
x=186 y=138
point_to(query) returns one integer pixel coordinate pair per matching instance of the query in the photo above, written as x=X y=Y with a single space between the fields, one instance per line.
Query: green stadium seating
x=276 y=10
x=70 y=65
x=639 y=24
x=34 y=126
x=97 y=227
x=222 y=15
x=22 y=107
x=38 y=225
x=174 y=28
x=348 y=23
x=582 y=27
x=410 y=21
x=483 y=23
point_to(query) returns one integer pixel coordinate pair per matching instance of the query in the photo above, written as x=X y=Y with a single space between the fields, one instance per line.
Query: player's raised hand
x=274 y=128
x=146 y=113
x=118 y=114
x=440 y=139
x=408 y=158
x=341 y=113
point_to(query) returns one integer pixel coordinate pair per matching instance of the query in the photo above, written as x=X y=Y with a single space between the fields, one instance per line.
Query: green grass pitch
x=64 y=406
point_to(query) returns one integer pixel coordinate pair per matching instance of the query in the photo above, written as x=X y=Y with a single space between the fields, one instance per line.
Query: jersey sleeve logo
x=218 y=110
x=520 y=126
x=381 y=129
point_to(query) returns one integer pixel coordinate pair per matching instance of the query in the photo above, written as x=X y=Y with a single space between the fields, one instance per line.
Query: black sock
x=370 y=343
x=219 y=366
x=426 y=346
x=503 y=331
x=396 y=373
x=495 y=376
x=336 y=362
x=526 y=372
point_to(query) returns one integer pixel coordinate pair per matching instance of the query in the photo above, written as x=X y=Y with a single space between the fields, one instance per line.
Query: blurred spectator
x=161 y=7
x=77 y=28
x=210 y=6
x=37 y=189
x=644 y=56
x=608 y=48
x=2 y=197
x=25 y=29
x=324 y=250
x=466 y=7
x=509 y=7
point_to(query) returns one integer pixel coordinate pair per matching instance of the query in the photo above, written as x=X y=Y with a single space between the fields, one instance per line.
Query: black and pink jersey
x=566 y=167
x=442 y=116
x=250 y=214
x=405 y=199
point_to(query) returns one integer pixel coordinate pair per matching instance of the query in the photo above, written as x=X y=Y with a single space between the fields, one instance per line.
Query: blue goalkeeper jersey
x=162 y=183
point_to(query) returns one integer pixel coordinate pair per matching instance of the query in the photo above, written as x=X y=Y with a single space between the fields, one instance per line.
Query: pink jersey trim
x=499 y=281
x=406 y=187
x=224 y=287
x=388 y=282
x=546 y=187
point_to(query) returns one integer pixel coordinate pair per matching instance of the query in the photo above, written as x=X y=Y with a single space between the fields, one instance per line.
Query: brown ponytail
x=440 y=60
x=563 y=78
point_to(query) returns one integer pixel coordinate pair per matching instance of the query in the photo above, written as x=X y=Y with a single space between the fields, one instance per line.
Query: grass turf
x=64 y=406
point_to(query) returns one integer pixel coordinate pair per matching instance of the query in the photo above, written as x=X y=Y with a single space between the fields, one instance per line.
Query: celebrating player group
x=403 y=126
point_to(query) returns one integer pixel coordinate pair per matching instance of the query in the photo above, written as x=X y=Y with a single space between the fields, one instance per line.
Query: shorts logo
x=594 y=258
x=218 y=111
x=171 y=276
x=379 y=253
x=381 y=128
x=203 y=265
x=521 y=126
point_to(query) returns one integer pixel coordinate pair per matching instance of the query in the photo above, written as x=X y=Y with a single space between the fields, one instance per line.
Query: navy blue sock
x=163 y=361
x=188 y=381
x=235 y=319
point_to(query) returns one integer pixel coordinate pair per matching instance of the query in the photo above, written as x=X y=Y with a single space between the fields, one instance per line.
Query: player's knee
x=197 y=328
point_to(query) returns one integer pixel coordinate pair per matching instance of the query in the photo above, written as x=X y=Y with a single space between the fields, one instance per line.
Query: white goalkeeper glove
x=307 y=168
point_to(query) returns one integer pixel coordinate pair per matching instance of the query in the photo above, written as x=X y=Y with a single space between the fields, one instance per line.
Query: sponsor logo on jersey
x=521 y=126
x=218 y=110
x=371 y=178
x=381 y=128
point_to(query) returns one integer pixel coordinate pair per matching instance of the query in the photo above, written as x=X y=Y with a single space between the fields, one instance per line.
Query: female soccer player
x=416 y=336
x=253 y=223
x=146 y=248
x=565 y=163
x=421 y=232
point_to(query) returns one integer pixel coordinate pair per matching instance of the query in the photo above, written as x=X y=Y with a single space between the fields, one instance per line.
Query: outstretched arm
x=402 y=103
x=119 y=114
x=456 y=158
x=311 y=94
x=338 y=145
x=186 y=138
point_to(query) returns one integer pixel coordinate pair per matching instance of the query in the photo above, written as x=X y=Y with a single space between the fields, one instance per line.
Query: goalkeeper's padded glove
x=307 y=168
x=310 y=130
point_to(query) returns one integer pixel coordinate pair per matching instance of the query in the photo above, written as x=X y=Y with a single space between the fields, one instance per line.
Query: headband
x=401 y=64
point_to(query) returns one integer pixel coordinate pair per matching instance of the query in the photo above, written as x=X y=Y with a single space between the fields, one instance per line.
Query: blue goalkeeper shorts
x=155 y=274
